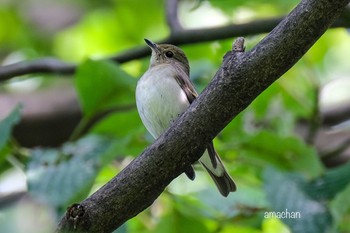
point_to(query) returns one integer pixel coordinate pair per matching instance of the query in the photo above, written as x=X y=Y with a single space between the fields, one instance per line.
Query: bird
x=163 y=93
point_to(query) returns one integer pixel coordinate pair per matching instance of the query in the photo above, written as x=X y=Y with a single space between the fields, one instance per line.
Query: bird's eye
x=169 y=54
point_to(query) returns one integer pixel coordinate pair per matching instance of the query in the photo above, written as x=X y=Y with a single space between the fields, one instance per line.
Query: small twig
x=315 y=119
x=238 y=45
x=86 y=124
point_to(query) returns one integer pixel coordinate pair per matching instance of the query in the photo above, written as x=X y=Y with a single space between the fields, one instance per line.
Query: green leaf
x=256 y=8
x=289 y=153
x=286 y=195
x=63 y=176
x=340 y=209
x=7 y=123
x=127 y=128
x=120 y=124
x=6 y=126
x=239 y=228
x=333 y=183
x=4 y=164
x=122 y=229
x=235 y=204
x=175 y=222
x=120 y=30
x=103 y=84
x=329 y=184
x=205 y=200
x=272 y=225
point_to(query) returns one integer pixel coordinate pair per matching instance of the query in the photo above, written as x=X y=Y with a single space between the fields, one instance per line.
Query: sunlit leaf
x=340 y=209
x=118 y=25
x=252 y=7
x=175 y=222
x=239 y=229
x=273 y=225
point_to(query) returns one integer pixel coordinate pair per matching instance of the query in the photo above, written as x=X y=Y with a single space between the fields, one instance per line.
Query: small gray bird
x=163 y=93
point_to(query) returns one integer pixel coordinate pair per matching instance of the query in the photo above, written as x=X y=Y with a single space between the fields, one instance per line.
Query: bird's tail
x=218 y=173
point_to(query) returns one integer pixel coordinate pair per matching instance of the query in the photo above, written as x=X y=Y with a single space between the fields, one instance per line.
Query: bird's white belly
x=160 y=99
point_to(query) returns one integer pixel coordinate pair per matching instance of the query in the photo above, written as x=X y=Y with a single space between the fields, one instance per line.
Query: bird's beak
x=152 y=45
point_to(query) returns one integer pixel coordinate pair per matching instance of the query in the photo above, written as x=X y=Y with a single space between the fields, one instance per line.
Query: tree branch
x=240 y=79
x=42 y=65
x=181 y=37
x=84 y=126
x=172 y=17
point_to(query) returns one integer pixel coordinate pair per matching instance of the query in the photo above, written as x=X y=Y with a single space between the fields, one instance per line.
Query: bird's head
x=168 y=54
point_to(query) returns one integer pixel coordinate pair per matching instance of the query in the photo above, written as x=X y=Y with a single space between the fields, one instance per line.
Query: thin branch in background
x=181 y=37
x=86 y=124
x=42 y=65
x=172 y=16
x=131 y=54
x=315 y=118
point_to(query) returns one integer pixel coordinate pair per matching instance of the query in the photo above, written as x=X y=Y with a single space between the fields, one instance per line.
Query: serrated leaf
x=285 y=195
x=7 y=123
x=102 y=84
x=63 y=176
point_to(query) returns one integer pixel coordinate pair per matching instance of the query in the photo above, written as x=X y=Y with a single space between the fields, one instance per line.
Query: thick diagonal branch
x=240 y=79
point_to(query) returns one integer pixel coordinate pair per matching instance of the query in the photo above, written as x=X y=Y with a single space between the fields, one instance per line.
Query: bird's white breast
x=159 y=98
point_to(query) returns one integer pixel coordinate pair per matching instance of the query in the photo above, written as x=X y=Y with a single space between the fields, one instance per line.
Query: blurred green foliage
x=275 y=169
x=101 y=85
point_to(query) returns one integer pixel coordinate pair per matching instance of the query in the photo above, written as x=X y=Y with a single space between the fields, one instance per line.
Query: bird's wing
x=212 y=154
x=188 y=87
